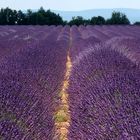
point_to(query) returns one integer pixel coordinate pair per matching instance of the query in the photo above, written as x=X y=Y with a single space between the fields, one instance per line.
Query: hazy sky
x=70 y=5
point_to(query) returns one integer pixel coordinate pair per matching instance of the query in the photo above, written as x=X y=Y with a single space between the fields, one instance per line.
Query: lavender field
x=70 y=83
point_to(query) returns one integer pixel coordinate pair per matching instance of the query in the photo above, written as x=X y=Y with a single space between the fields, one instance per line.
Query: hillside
x=133 y=14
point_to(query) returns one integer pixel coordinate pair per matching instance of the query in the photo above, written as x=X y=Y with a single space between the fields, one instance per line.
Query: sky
x=69 y=5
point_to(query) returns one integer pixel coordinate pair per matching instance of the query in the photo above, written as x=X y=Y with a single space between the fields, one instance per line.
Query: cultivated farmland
x=70 y=83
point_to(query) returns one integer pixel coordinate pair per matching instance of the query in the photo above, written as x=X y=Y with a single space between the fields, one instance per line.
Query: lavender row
x=30 y=81
x=80 y=42
x=126 y=46
x=104 y=97
x=16 y=38
x=84 y=38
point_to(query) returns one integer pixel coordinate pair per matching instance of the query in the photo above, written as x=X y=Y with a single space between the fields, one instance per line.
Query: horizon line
x=93 y=9
x=60 y=10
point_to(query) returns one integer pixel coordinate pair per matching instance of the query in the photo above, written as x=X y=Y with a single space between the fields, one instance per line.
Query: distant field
x=70 y=83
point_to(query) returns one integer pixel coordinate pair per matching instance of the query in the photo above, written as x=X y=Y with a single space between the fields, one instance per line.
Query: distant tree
x=13 y=17
x=137 y=23
x=118 y=18
x=87 y=22
x=108 y=21
x=34 y=18
x=65 y=23
x=8 y=16
x=97 y=20
x=77 y=21
x=42 y=11
x=2 y=17
x=28 y=16
x=41 y=16
x=21 y=18
x=53 y=19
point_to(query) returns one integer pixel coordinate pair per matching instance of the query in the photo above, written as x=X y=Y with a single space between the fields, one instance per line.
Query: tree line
x=116 y=18
x=42 y=17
